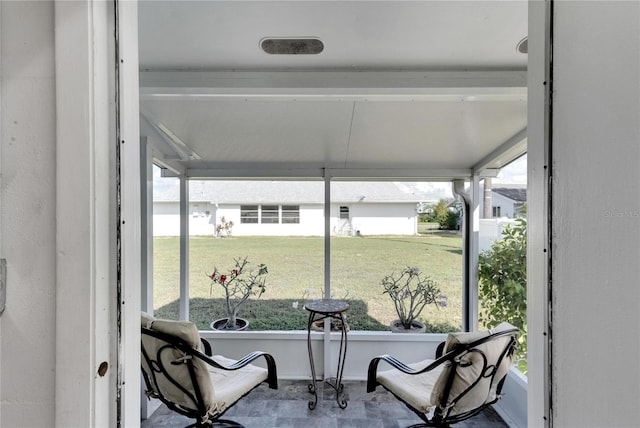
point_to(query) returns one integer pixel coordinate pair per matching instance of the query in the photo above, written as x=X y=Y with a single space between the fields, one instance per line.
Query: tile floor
x=287 y=407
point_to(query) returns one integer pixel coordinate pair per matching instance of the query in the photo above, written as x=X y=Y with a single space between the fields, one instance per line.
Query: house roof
x=517 y=193
x=282 y=192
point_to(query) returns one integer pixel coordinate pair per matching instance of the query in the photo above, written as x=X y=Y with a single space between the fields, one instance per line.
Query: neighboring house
x=507 y=200
x=289 y=208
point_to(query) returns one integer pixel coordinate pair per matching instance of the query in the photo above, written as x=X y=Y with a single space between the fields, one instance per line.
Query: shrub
x=446 y=217
x=502 y=273
x=411 y=291
x=451 y=221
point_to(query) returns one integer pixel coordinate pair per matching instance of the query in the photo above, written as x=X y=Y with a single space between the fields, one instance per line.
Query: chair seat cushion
x=231 y=385
x=415 y=390
x=472 y=375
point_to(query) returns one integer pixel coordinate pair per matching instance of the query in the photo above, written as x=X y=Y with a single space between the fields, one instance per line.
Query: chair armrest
x=272 y=373
x=397 y=364
x=206 y=346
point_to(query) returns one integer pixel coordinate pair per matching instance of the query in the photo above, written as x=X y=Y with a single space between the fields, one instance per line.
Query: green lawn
x=296 y=275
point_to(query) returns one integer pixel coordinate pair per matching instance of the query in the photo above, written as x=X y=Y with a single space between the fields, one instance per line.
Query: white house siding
x=166 y=221
x=368 y=219
x=311 y=223
x=507 y=206
x=377 y=219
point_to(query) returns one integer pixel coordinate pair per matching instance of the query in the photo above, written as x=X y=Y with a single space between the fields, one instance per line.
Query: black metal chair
x=179 y=369
x=466 y=376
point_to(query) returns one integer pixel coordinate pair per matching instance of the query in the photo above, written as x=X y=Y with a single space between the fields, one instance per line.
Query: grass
x=296 y=275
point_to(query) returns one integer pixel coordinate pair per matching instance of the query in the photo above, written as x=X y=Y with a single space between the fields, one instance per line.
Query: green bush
x=446 y=218
x=451 y=221
x=502 y=273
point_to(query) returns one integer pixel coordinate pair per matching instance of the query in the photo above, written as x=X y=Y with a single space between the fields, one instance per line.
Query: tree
x=441 y=211
x=446 y=218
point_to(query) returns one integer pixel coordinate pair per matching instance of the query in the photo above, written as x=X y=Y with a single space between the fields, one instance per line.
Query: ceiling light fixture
x=298 y=46
x=523 y=46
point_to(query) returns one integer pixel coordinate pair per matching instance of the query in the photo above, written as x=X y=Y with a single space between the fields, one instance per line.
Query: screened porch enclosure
x=373 y=107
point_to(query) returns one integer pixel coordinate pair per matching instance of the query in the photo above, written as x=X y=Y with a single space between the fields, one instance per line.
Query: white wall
x=28 y=217
x=369 y=219
x=380 y=219
x=311 y=223
x=505 y=204
x=596 y=240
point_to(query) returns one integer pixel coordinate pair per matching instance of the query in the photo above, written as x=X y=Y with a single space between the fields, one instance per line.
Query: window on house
x=344 y=213
x=291 y=214
x=495 y=212
x=248 y=214
x=270 y=214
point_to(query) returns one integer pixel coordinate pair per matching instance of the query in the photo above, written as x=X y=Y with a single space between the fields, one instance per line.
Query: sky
x=514 y=173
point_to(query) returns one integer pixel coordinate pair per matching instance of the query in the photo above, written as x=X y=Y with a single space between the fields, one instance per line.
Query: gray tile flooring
x=287 y=407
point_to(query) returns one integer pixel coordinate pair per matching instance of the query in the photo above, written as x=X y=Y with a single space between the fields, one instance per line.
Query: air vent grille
x=301 y=46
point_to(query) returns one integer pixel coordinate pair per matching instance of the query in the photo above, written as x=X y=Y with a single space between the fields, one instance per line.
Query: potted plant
x=239 y=283
x=411 y=291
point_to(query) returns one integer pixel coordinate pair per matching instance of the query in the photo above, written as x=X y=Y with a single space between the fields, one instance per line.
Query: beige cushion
x=412 y=389
x=188 y=332
x=231 y=385
x=146 y=320
x=185 y=330
x=485 y=390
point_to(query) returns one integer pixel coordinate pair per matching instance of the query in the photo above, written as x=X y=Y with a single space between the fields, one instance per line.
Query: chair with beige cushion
x=466 y=376
x=179 y=369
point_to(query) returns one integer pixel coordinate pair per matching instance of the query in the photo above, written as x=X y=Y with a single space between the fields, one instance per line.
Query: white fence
x=491 y=230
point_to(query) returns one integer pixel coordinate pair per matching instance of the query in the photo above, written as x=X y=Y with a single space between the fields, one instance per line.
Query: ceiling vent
x=302 y=46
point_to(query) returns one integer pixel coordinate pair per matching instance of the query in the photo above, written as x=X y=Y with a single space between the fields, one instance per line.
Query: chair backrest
x=171 y=371
x=473 y=375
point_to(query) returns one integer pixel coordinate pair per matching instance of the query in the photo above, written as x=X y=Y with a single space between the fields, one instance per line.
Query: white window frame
x=285 y=217
x=270 y=213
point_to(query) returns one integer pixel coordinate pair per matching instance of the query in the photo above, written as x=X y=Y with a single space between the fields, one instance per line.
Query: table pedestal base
x=320 y=310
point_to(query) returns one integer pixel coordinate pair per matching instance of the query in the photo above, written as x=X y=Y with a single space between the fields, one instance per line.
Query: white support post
x=146 y=225
x=473 y=251
x=470 y=232
x=184 y=249
x=538 y=165
x=327 y=270
x=128 y=406
x=96 y=382
x=147 y=407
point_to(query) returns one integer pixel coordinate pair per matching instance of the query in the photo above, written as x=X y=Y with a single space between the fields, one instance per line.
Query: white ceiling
x=430 y=88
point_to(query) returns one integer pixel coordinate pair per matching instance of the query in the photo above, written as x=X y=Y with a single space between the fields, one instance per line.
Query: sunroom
x=426 y=94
